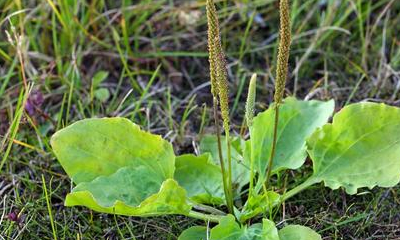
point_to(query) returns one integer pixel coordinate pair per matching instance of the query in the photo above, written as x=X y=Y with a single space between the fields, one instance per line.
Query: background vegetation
x=147 y=61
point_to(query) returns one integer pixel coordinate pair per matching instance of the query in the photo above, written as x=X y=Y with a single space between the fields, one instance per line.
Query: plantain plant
x=119 y=169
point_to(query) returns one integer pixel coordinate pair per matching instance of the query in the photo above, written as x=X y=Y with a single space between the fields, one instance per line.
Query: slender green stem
x=221 y=158
x=310 y=181
x=229 y=183
x=205 y=217
x=273 y=148
x=251 y=187
x=54 y=230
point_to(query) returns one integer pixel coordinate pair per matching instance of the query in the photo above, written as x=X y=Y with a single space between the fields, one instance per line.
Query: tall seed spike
x=217 y=59
x=281 y=73
x=219 y=77
x=212 y=35
x=219 y=89
x=223 y=89
x=283 y=51
x=251 y=98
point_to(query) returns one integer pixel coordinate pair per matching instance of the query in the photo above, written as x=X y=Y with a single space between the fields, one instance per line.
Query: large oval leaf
x=200 y=177
x=297 y=232
x=99 y=147
x=297 y=120
x=229 y=229
x=119 y=169
x=361 y=148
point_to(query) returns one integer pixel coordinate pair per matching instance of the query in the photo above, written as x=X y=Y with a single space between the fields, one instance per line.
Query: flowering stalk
x=281 y=72
x=250 y=102
x=251 y=97
x=219 y=90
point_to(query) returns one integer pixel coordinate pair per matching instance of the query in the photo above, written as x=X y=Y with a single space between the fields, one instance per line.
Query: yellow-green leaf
x=361 y=148
x=119 y=169
x=99 y=147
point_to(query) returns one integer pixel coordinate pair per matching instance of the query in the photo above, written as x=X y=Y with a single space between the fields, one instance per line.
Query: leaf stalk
x=205 y=217
x=310 y=181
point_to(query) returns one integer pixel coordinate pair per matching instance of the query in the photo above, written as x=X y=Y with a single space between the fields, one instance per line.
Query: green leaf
x=259 y=204
x=297 y=232
x=122 y=194
x=119 y=169
x=98 y=78
x=361 y=148
x=92 y=148
x=194 y=233
x=102 y=94
x=269 y=230
x=229 y=229
x=240 y=170
x=297 y=120
x=201 y=178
